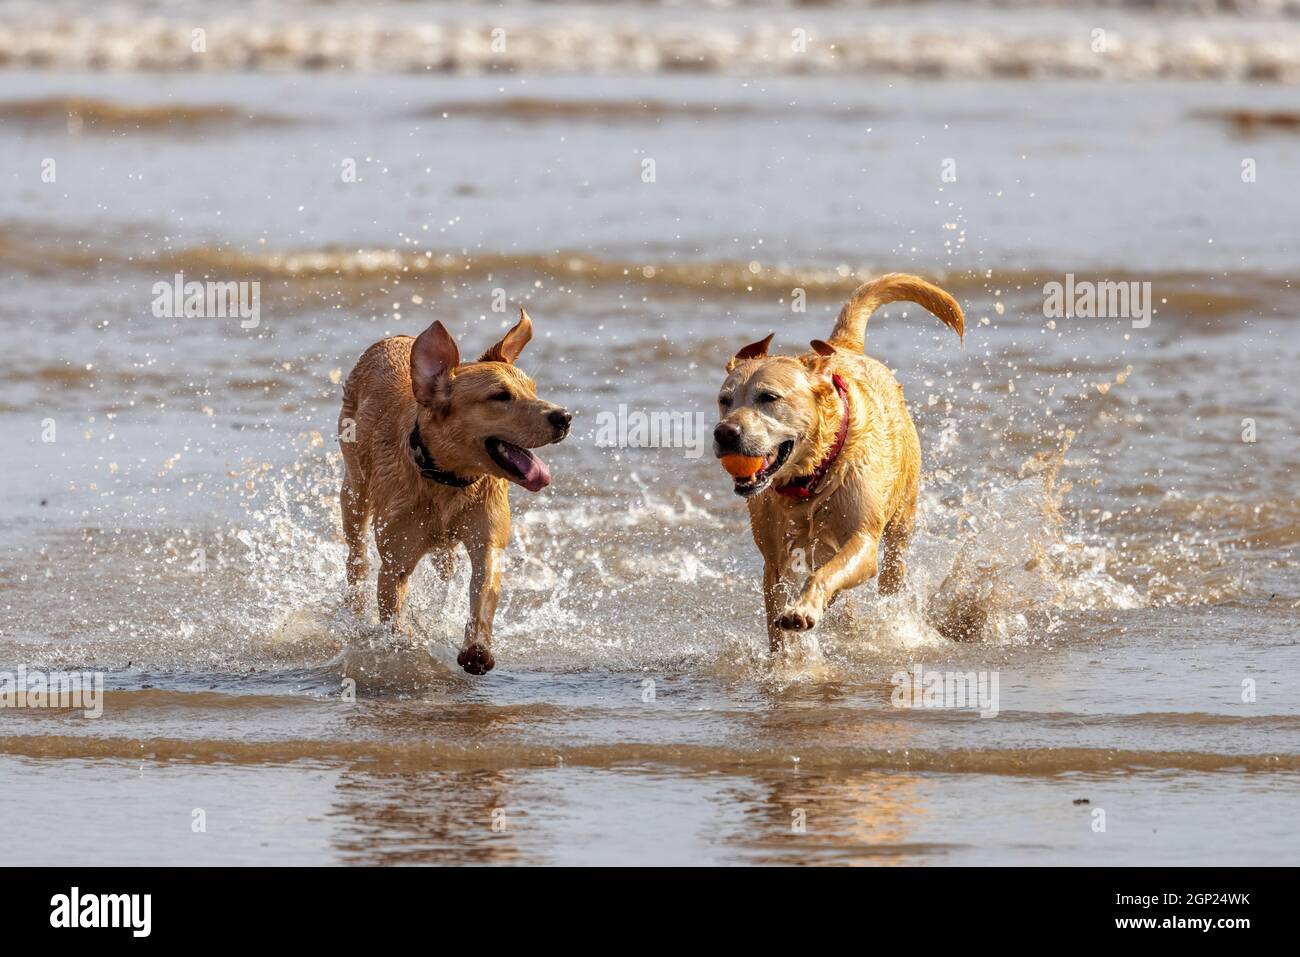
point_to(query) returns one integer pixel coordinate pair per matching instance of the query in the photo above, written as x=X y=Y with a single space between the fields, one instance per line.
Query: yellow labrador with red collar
x=824 y=450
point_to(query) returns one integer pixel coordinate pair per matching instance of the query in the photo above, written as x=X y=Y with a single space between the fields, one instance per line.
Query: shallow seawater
x=1123 y=559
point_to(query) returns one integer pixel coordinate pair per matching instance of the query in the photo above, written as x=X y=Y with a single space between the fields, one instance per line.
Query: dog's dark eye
x=724 y=400
x=768 y=397
x=502 y=396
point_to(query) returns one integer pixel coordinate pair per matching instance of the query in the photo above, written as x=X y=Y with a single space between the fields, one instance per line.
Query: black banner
x=334 y=906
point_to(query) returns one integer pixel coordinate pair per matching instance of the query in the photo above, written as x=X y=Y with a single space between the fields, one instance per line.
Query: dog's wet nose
x=560 y=418
x=726 y=435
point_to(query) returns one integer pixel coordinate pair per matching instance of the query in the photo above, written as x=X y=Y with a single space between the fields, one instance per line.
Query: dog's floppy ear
x=512 y=343
x=433 y=356
x=755 y=350
x=822 y=348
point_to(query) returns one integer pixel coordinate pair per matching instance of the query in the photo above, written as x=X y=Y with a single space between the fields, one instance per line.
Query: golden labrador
x=825 y=452
x=429 y=446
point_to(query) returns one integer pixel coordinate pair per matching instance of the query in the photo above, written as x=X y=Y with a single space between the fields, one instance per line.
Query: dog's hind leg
x=394 y=581
x=354 y=502
x=399 y=553
x=896 y=537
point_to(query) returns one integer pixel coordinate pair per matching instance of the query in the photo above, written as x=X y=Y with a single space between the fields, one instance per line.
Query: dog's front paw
x=798 y=617
x=476 y=659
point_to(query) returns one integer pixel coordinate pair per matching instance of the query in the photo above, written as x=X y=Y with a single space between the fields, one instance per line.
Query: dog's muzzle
x=726 y=439
x=560 y=420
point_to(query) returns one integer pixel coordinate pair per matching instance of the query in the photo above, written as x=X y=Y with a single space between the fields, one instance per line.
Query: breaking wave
x=668 y=42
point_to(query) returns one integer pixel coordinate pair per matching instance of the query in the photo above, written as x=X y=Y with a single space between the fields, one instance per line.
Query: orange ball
x=742 y=466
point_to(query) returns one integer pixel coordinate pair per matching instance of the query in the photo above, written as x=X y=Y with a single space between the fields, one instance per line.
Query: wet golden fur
x=396 y=381
x=868 y=496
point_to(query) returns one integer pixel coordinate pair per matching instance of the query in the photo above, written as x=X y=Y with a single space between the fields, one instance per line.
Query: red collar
x=805 y=486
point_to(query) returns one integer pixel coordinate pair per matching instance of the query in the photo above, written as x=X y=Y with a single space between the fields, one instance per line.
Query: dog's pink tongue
x=536 y=476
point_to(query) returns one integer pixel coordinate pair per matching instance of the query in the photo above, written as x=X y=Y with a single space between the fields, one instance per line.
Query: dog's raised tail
x=892 y=287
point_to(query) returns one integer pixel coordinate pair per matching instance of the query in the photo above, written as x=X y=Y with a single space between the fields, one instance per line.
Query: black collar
x=424 y=462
